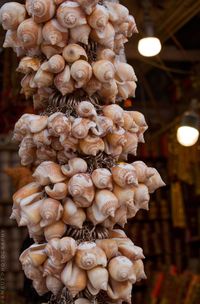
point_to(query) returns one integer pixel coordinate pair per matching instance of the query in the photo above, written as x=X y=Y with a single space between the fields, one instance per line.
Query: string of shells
x=60 y=138
x=82 y=189
x=52 y=37
x=110 y=265
x=63 y=195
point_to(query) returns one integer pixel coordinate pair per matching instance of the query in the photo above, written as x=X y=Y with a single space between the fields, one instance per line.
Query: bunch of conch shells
x=60 y=138
x=83 y=189
x=110 y=265
x=51 y=36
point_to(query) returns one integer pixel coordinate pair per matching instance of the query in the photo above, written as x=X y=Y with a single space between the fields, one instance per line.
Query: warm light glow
x=149 y=46
x=187 y=136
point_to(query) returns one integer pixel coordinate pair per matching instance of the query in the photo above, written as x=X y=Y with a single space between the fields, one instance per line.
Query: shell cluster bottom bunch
x=77 y=146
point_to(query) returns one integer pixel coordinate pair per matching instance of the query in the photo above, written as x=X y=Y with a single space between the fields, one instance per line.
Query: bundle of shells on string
x=69 y=195
x=53 y=39
x=60 y=138
x=109 y=265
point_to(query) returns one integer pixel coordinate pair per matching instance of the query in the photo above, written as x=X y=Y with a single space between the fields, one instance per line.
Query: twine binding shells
x=66 y=298
x=102 y=160
x=87 y=233
x=67 y=104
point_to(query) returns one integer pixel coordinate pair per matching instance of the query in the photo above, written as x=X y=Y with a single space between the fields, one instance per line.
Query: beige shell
x=92 y=86
x=86 y=109
x=103 y=70
x=105 y=205
x=120 y=291
x=127 y=89
x=48 y=172
x=117 y=12
x=120 y=269
x=81 y=72
x=124 y=175
x=91 y=145
x=138 y=269
x=129 y=124
x=37 y=254
x=106 y=37
x=30 y=210
x=42 y=138
x=142 y=197
x=81 y=188
x=11 y=39
x=106 y=202
x=42 y=10
x=119 y=42
x=54 y=285
x=99 y=18
x=72 y=215
x=132 y=29
x=64 y=82
x=56 y=230
x=43 y=78
x=74 y=166
x=55 y=64
x=131 y=145
x=26 y=191
x=88 y=256
x=29 y=33
x=114 y=151
x=88 y=5
x=28 y=64
x=117 y=138
x=68 y=248
x=102 y=178
x=109 y=92
x=106 y=54
x=58 y=192
x=70 y=145
x=115 y=113
x=117 y=233
x=59 y=124
x=128 y=249
x=155 y=182
x=52 y=250
x=51 y=211
x=54 y=34
x=109 y=246
x=124 y=72
x=74 y=52
x=81 y=127
x=51 y=267
x=121 y=216
x=70 y=15
x=125 y=195
x=98 y=278
x=27 y=151
x=80 y=34
x=142 y=171
x=36 y=233
x=104 y=125
x=11 y=15
x=49 y=50
x=74 y=278
x=139 y=120
x=26 y=81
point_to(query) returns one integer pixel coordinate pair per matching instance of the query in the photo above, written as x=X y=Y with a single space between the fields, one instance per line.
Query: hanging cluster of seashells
x=52 y=37
x=83 y=190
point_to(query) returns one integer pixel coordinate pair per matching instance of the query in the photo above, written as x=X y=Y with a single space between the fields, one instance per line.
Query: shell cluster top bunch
x=83 y=190
x=52 y=38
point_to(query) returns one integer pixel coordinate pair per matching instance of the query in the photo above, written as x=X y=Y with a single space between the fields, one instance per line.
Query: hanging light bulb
x=149 y=45
x=188 y=132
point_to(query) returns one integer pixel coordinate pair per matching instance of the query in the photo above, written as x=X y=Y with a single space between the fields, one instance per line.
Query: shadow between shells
x=84 y=191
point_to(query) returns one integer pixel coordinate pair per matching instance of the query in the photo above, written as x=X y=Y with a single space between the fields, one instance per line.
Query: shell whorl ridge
x=78 y=146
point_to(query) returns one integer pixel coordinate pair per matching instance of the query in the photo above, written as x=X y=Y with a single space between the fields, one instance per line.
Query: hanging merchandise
x=79 y=145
